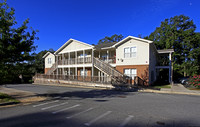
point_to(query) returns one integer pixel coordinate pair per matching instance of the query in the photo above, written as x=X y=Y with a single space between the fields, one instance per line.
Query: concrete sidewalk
x=175 y=89
x=25 y=97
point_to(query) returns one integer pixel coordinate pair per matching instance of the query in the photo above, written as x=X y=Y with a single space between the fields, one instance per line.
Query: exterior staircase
x=117 y=77
x=52 y=69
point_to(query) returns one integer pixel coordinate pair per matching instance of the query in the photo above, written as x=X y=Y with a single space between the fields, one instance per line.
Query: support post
x=83 y=56
x=99 y=55
x=69 y=59
x=63 y=59
x=75 y=57
x=57 y=63
x=170 y=67
x=107 y=55
x=92 y=62
x=83 y=73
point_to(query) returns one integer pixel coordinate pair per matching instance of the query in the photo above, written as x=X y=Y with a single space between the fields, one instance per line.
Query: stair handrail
x=53 y=68
x=107 y=68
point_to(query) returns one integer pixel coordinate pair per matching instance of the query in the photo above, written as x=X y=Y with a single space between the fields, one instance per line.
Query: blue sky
x=92 y=20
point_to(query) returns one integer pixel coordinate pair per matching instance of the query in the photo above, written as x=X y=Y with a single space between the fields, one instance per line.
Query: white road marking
x=45 y=103
x=69 y=117
x=99 y=117
x=54 y=106
x=126 y=121
x=65 y=109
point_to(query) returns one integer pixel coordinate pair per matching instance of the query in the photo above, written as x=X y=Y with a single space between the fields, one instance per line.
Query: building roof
x=105 y=45
x=165 y=51
x=69 y=41
x=47 y=54
x=131 y=37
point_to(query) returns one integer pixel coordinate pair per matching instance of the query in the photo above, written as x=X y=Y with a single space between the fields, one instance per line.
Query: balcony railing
x=72 y=61
x=110 y=60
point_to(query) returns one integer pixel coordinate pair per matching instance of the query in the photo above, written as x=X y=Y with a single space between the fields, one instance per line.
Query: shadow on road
x=90 y=94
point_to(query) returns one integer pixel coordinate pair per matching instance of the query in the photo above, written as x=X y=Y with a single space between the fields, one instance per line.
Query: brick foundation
x=142 y=71
x=46 y=70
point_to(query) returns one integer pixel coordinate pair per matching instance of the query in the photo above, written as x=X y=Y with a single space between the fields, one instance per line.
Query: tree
x=178 y=33
x=113 y=38
x=15 y=45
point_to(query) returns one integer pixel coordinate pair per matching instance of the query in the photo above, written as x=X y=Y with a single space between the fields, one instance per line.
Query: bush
x=195 y=81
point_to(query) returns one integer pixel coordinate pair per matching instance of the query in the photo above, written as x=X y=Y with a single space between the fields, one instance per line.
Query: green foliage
x=195 y=81
x=179 y=33
x=6 y=98
x=113 y=38
x=15 y=46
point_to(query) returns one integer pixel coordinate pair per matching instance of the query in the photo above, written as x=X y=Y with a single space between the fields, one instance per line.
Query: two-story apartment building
x=131 y=56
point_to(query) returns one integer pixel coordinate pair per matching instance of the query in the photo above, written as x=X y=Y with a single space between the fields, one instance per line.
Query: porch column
x=69 y=58
x=92 y=62
x=99 y=75
x=63 y=59
x=99 y=55
x=57 y=63
x=75 y=57
x=76 y=71
x=170 y=68
x=83 y=56
x=83 y=72
x=107 y=55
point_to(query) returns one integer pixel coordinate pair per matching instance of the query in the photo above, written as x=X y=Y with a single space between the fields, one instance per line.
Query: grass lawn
x=6 y=98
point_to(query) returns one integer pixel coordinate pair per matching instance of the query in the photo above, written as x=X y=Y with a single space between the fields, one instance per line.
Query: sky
x=91 y=20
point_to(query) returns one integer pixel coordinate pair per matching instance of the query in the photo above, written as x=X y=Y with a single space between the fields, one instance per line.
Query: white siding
x=74 y=46
x=142 y=56
x=47 y=65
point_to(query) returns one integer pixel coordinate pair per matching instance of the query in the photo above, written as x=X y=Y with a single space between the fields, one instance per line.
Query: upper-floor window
x=49 y=61
x=130 y=52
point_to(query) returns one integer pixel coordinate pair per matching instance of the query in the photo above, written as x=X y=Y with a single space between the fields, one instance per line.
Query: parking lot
x=78 y=107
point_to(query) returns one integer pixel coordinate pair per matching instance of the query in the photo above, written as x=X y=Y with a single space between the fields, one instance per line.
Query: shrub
x=195 y=81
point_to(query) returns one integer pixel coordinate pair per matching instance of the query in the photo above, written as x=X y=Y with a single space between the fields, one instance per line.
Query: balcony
x=73 y=61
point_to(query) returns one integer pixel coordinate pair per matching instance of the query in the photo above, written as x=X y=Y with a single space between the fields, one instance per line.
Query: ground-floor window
x=130 y=72
x=82 y=72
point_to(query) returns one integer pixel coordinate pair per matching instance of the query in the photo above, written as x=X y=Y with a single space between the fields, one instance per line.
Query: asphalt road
x=78 y=107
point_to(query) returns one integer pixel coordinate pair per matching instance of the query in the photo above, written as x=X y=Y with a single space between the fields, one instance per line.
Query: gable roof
x=69 y=41
x=131 y=37
x=105 y=45
x=47 y=54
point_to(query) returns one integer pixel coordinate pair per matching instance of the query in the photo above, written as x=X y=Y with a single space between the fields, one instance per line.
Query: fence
x=95 y=79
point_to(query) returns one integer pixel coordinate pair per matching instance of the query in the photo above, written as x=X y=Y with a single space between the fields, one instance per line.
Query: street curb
x=9 y=103
x=74 y=86
x=168 y=92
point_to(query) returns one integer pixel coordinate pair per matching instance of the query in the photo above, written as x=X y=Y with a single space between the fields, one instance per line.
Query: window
x=126 y=52
x=82 y=72
x=49 y=61
x=133 y=51
x=81 y=55
x=130 y=52
x=130 y=72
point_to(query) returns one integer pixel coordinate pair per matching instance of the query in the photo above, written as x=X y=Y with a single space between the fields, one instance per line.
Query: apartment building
x=131 y=57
